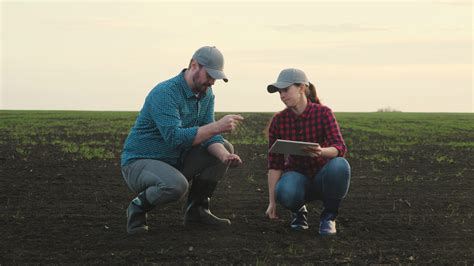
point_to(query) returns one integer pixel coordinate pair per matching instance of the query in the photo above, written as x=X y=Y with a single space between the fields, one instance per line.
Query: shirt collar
x=304 y=114
x=187 y=90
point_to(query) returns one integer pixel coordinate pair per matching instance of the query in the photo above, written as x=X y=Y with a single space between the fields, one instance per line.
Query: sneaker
x=327 y=227
x=300 y=219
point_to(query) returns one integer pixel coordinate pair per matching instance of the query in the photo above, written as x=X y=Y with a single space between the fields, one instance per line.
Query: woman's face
x=292 y=95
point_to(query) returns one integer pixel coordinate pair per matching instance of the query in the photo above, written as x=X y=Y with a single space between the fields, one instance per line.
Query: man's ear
x=194 y=64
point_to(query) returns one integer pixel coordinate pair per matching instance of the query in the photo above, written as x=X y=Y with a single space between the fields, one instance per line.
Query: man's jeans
x=330 y=184
x=165 y=183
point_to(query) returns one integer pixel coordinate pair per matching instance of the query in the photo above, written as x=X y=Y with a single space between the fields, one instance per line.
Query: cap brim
x=277 y=86
x=216 y=74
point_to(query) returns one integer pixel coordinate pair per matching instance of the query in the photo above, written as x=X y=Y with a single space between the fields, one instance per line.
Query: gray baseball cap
x=212 y=60
x=286 y=78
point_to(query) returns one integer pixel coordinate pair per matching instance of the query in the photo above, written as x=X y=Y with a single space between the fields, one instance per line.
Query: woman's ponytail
x=312 y=95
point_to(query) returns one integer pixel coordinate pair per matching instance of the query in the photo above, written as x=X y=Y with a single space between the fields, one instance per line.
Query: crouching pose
x=175 y=140
x=324 y=174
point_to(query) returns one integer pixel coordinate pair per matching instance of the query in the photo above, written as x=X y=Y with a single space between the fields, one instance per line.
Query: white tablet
x=291 y=147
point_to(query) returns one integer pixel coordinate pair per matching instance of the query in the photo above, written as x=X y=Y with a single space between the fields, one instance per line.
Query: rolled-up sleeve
x=165 y=114
x=333 y=132
x=275 y=161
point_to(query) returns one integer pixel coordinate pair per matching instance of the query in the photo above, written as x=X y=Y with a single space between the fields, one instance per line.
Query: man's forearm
x=204 y=133
x=223 y=125
x=218 y=150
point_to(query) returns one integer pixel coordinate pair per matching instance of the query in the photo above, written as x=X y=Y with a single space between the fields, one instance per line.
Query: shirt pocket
x=184 y=112
x=188 y=117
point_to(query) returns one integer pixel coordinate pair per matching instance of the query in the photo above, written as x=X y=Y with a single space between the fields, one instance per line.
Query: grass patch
x=382 y=138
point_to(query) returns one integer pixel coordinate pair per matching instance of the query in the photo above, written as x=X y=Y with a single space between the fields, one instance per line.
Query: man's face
x=201 y=80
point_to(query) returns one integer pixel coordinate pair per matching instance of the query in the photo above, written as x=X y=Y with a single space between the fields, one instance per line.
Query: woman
x=322 y=175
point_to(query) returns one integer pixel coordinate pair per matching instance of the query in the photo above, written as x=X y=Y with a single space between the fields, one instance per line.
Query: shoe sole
x=199 y=223
x=327 y=234
x=299 y=228
x=139 y=230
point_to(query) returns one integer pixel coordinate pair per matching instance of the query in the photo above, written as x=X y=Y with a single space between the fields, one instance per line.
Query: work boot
x=136 y=214
x=300 y=219
x=200 y=214
x=197 y=206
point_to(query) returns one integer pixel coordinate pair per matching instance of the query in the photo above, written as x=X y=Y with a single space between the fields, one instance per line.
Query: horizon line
x=130 y=111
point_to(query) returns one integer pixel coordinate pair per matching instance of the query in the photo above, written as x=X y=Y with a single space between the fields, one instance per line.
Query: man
x=175 y=139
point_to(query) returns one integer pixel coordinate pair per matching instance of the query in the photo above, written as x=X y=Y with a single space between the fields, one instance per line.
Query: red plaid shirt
x=316 y=124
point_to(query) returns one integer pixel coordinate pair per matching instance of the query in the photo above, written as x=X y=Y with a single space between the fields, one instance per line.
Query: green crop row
x=382 y=137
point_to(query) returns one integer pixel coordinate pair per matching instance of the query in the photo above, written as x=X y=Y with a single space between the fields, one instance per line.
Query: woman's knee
x=336 y=183
x=340 y=168
x=288 y=196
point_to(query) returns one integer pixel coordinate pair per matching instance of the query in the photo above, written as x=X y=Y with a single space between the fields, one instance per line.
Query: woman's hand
x=271 y=211
x=313 y=151
x=317 y=151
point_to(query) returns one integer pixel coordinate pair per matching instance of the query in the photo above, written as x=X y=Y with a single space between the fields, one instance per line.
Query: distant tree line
x=387 y=109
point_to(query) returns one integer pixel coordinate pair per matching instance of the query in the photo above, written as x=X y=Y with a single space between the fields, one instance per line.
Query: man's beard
x=199 y=87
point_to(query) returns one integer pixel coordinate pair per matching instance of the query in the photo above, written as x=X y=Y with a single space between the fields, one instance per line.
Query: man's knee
x=166 y=193
x=178 y=190
x=228 y=146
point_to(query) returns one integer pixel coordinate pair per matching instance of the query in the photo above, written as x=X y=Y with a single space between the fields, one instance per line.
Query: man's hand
x=232 y=160
x=228 y=123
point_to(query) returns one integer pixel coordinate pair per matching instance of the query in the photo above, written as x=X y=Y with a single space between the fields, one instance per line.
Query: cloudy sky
x=414 y=56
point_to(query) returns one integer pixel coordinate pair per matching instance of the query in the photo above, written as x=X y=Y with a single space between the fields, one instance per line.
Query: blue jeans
x=330 y=185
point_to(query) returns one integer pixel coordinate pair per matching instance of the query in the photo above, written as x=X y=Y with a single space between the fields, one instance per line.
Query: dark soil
x=57 y=209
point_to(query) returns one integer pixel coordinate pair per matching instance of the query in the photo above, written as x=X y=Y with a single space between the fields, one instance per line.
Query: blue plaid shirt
x=168 y=123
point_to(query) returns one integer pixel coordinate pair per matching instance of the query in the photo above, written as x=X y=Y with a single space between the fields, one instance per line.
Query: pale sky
x=414 y=56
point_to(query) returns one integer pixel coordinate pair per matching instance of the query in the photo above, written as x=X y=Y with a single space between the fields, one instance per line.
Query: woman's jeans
x=330 y=185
